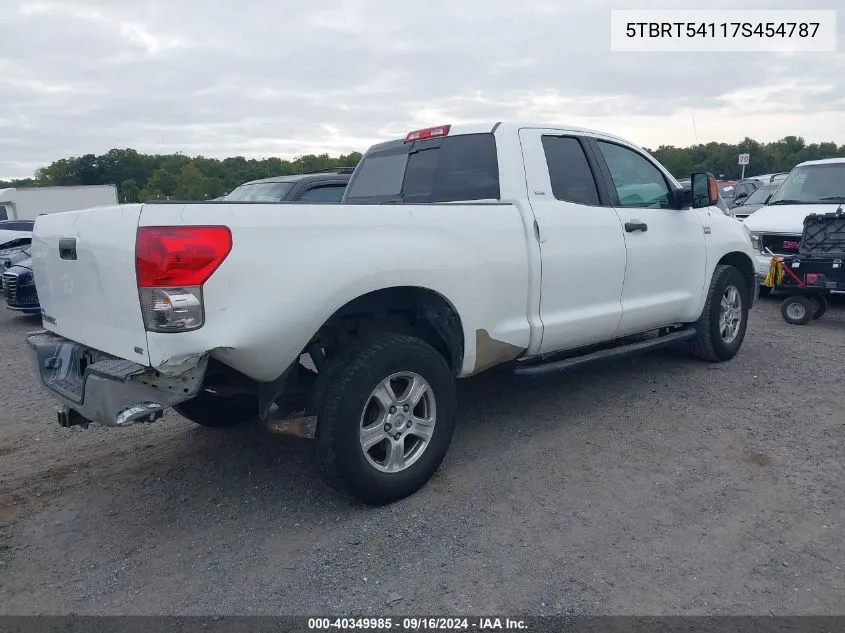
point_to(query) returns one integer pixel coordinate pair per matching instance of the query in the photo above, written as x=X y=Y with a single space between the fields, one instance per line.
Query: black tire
x=798 y=309
x=822 y=303
x=218 y=412
x=709 y=344
x=342 y=460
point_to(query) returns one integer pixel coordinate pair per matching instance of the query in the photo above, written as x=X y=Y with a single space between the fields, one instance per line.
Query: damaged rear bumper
x=95 y=387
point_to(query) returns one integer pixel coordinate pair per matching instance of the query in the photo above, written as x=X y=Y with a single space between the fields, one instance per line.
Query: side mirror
x=683 y=198
x=705 y=193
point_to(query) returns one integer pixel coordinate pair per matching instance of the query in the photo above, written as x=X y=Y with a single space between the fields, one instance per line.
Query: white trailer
x=27 y=203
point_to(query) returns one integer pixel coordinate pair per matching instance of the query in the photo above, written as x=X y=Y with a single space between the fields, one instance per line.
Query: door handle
x=636 y=225
x=67 y=248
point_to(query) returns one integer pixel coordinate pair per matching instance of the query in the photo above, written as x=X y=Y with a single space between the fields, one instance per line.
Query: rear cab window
x=449 y=169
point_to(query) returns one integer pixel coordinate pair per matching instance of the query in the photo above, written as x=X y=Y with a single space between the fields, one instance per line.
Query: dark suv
x=326 y=187
x=743 y=189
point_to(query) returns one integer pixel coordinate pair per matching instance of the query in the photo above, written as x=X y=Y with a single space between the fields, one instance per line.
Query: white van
x=27 y=203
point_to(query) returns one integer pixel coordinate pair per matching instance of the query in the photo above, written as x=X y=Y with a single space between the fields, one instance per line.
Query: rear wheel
x=798 y=309
x=211 y=410
x=721 y=327
x=385 y=420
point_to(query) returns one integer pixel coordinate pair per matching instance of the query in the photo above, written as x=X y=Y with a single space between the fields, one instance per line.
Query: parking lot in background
x=655 y=485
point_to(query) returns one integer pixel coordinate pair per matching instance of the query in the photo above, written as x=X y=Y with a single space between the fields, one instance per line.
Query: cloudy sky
x=281 y=78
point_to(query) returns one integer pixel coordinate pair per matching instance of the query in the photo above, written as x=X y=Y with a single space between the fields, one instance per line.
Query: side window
x=323 y=193
x=638 y=182
x=460 y=168
x=570 y=174
x=467 y=169
x=3 y=215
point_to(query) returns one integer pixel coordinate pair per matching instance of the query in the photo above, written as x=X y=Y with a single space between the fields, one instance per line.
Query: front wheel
x=385 y=420
x=721 y=327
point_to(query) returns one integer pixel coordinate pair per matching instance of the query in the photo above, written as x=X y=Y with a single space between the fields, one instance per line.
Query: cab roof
x=510 y=127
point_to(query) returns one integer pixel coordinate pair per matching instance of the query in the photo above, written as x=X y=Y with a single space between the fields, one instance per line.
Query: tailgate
x=84 y=269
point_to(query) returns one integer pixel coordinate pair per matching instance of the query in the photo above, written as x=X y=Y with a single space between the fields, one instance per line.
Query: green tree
x=158 y=176
x=162 y=183
x=129 y=190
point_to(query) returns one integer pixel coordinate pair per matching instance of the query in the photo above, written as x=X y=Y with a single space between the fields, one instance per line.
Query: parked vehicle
x=325 y=186
x=726 y=192
x=349 y=323
x=812 y=187
x=742 y=190
x=770 y=179
x=18 y=287
x=27 y=203
x=15 y=238
x=755 y=201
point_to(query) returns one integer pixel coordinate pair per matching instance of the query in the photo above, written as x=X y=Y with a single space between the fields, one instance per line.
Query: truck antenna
x=694 y=129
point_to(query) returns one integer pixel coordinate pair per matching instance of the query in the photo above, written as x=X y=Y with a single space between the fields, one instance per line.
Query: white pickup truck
x=455 y=249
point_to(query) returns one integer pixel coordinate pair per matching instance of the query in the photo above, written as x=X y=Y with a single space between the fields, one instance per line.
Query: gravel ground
x=660 y=485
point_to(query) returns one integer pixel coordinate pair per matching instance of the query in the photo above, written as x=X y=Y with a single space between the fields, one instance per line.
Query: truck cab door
x=667 y=256
x=582 y=246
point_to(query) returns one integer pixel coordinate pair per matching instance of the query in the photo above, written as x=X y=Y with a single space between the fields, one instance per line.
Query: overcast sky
x=280 y=78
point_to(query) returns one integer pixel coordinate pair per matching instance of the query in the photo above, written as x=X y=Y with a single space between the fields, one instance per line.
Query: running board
x=551 y=366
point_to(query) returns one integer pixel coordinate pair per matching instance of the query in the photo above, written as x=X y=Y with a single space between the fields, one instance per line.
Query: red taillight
x=429 y=132
x=169 y=256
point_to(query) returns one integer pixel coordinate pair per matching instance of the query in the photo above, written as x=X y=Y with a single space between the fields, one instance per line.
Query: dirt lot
x=652 y=486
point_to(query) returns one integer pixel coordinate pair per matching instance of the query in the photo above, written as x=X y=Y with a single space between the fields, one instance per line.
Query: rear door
x=84 y=270
x=581 y=241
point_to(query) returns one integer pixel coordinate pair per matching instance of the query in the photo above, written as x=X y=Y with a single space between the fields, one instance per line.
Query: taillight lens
x=171 y=265
x=179 y=256
x=172 y=309
x=429 y=132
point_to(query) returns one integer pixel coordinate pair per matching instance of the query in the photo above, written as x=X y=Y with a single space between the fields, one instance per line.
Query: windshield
x=759 y=196
x=727 y=192
x=813 y=184
x=260 y=192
